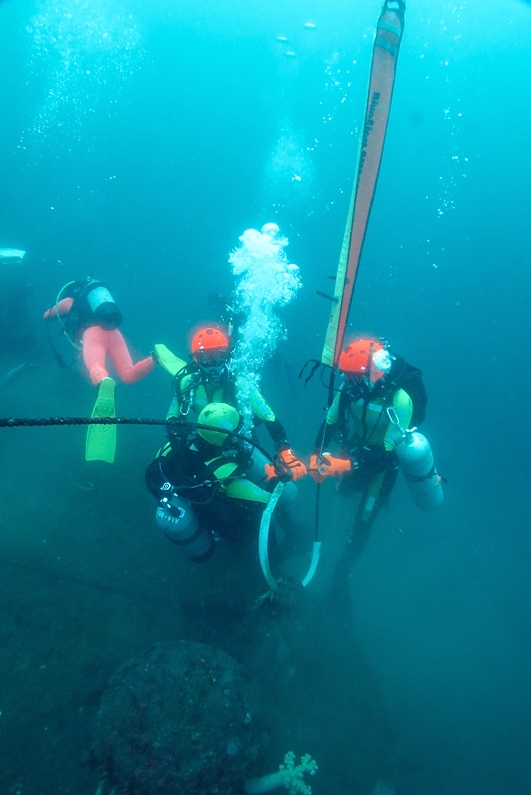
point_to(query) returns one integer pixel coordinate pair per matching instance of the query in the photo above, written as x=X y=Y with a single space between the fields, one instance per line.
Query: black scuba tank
x=102 y=305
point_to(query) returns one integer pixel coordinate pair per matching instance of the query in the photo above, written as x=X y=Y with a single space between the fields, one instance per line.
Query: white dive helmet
x=381 y=361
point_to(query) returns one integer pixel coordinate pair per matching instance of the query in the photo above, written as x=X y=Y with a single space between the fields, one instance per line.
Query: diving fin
x=101 y=439
x=171 y=363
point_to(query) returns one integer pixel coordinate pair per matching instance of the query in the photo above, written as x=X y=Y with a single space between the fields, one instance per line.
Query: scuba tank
x=177 y=520
x=416 y=459
x=102 y=305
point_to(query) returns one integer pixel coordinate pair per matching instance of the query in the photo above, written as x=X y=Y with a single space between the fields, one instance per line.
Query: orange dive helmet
x=210 y=344
x=363 y=358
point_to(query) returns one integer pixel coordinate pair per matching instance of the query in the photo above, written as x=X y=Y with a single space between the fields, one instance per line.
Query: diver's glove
x=326 y=466
x=273 y=471
x=315 y=462
x=285 y=467
x=291 y=463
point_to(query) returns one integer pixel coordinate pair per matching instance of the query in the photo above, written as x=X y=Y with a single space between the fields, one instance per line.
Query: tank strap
x=190 y=539
x=421 y=478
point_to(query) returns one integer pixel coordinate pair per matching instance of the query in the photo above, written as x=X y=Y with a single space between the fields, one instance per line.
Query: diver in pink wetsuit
x=92 y=319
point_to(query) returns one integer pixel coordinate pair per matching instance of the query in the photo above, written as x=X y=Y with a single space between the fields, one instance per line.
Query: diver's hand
x=270 y=471
x=292 y=464
x=326 y=466
x=278 y=471
x=286 y=466
x=316 y=461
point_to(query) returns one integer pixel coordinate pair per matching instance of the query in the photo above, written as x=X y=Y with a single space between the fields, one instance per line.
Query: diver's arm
x=322 y=463
x=292 y=465
x=62 y=308
x=277 y=433
x=329 y=426
x=263 y=412
x=325 y=435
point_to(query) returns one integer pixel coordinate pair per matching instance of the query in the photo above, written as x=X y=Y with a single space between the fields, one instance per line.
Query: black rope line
x=38 y=422
x=34 y=422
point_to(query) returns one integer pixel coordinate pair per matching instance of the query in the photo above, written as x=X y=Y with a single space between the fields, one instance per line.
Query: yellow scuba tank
x=416 y=459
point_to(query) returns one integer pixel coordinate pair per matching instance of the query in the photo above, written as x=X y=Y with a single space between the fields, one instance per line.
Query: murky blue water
x=138 y=142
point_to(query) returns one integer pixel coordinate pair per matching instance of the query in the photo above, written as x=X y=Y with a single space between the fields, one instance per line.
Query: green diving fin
x=101 y=439
x=171 y=363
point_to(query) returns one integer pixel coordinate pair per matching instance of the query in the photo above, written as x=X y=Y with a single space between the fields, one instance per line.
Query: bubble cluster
x=81 y=52
x=289 y=172
x=454 y=167
x=266 y=280
x=338 y=81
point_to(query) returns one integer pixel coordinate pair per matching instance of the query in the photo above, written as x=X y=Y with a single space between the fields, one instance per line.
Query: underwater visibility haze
x=193 y=154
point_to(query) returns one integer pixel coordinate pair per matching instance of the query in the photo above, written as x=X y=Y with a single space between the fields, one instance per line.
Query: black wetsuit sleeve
x=277 y=433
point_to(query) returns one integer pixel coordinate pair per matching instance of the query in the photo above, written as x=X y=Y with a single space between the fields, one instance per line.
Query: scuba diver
x=91 y=321
x=200 y=478
x=207 y=378
x=382 y=396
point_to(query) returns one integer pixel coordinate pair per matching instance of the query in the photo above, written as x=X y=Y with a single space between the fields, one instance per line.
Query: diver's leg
x=121 y=358
x=339 y=598
x=101 y=439
x=373 y=498
x=94 y=350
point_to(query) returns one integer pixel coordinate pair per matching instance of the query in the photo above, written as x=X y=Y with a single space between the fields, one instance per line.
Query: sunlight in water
x=81 y=53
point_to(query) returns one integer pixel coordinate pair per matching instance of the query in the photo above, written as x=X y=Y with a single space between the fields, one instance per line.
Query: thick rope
x=37 y=422
x=32 y=422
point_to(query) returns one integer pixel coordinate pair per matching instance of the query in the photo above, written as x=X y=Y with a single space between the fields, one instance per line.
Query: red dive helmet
x=357 y=359
x=209 y=343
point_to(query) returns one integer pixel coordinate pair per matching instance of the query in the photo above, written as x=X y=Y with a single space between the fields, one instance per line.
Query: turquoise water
x=138 y=142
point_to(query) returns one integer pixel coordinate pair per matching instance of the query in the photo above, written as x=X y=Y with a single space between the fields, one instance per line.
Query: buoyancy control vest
x=402 y=376
x=409 y=378
x=192 y=392
x=93 y=306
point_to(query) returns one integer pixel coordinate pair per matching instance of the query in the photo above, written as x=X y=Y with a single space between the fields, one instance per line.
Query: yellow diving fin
x=243 y=489
x=101 y=439
x=171 y=363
